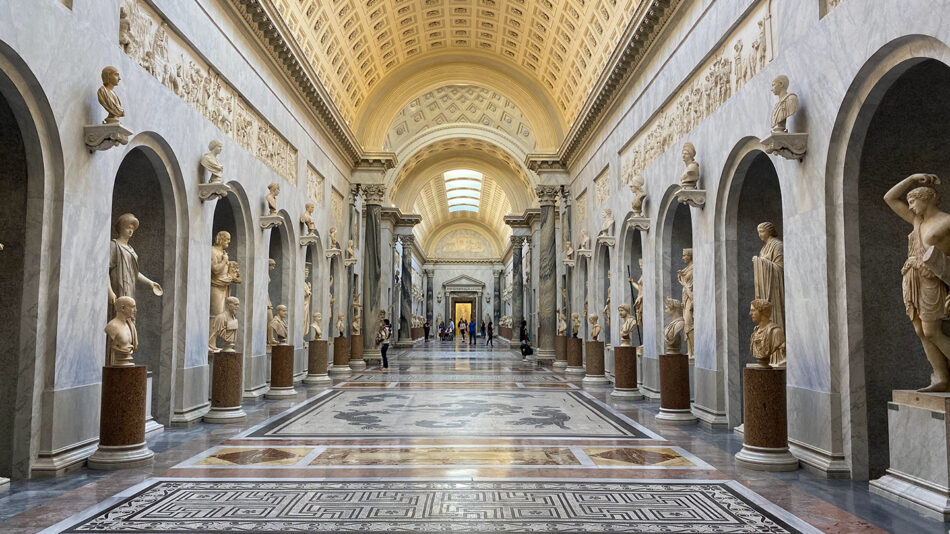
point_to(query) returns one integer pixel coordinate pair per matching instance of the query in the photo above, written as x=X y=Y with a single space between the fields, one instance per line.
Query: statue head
x=126 y=225
x=317 y=317
x=689 y=152
x=110 y=76
x=688 y=255
x=921 y=198
x=607 y=212
x=593 y=318
x=624 y=310
x=640 y=262
x=222 y=239
x=125 y=307
x=215 y=147
x=766 y=230
x=779 y=84
x=309 y=207
x=271 y=264
x=673 y=307
x=281 y=311
x=760 y=310
x=274 y=188
x=232 y=304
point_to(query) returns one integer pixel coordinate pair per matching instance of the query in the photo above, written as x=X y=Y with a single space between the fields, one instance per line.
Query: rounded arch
x=395 y=91
x=437 y=233
x=630 y=256
x=601 y=280
x=280 y=289
x=30 y=330
x=233 y=213
x=666 y=240
x=847 y=303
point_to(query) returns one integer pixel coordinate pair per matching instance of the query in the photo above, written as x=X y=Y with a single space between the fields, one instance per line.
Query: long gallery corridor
x=452 y=439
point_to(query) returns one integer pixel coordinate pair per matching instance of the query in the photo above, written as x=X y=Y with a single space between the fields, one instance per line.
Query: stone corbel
x=692 y=197
x=786 y=145
x=105 y=136
x=349 y=261
x=309 y=240
x=271 y=221
x=583 y=253
x=569 y=263
x=639 y=223
x=608 y=240
x=213 y=191
x=331 y=252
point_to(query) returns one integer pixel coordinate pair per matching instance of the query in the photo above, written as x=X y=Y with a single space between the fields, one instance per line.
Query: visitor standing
x=425 y=328
x=462 y=328
x=382 y=341
x=471 y=333
x=490 y=331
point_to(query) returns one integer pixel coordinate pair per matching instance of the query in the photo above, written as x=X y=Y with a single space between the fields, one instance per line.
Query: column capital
x=547 y=194
x=517 y=240
x=373 y=193
x=497 y=271
x=429 y=271
x=407 y=240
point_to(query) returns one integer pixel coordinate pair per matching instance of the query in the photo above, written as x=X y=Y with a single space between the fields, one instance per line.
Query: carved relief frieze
x=581 y=208
x=148 y=40
x=602 y=187
x=741 y=56
x=314 y=185
x=336 y=208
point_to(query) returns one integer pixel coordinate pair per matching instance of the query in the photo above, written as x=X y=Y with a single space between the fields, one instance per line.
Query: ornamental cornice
x=378 y=160
x=544 y=162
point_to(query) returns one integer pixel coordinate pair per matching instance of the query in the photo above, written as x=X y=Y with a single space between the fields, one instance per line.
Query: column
x=430 y=279
x=497 y=275
x=405 y=299
x=517 y=286
x=547 y=272
x=351 y=269
x=567 y=227
x=372 y=201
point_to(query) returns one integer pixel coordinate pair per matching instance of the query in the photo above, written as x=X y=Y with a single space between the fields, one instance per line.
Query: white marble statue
x=357 y=321
x=639 y=194
x=768 y=269
x=585 y=240
x=627 y=324
x=638 y=287
x=438 y=319
x=331 y=237
x=224 y=326
x=673 y=333
x=767 y=344
x=341 y=324
x=786 y=106
x=691 y=177
x=124 y=262
x=307 y=292
x=315 y=326
x=561 y=323
x=307 y=219
x=575 y=323
x=350 y=253
x=278 y=325
x=123 y=339
x=568 y=250
x=595 y=328
x=210 y=163
x=107 y=97
x=272 y=191
x=607 y=227
x=221 y=278
x=271 y=265
x=925 y=291
x=685 y=277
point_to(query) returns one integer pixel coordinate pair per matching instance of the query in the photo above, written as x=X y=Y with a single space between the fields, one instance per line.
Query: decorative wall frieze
x=315 y=185
x=602 y=187
x=336 y=208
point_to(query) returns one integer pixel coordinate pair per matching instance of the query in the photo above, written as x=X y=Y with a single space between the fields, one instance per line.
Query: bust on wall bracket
x=271 y=220
x=780 y=142
x=110 y=133
x=215 y=188
x=689 y=193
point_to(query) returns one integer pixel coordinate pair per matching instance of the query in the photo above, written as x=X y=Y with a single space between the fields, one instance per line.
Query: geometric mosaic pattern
x=163 y=505
x=467 y=377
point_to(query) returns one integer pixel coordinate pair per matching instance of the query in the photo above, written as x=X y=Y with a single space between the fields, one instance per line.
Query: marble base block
x=356 y=363
x=560 y=352
x=765 y=437
x=281 y=373
x=674 y=390
x=317 y=363
x=4 y=484
x=575 y=356
x=595 y=365
x=625 y=374
x=227 y=389
x=341 y=357
x=919 y=472
x=122 y=420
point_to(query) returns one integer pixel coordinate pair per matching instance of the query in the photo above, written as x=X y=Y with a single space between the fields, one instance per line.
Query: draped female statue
x=768 y=269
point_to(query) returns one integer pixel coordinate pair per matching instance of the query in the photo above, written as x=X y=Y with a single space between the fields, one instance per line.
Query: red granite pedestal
x=625 y=374
x=281 y=373
x=341 y=357
x=317 y=363
x=122 y=420
x=595 y=365
x=560 y=352
x=227 y=388
x=356 y=362
x=765 y=440
x=575 y=356
x=674 y=390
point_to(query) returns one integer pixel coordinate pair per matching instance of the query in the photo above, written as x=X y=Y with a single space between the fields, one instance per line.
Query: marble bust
x=561 y=323
x=340 y=324
x=924 y=289
x=607 y=228
x=210 y=163
x=357 y=321
x=350 y=253
x=575 y=323
x=767 y=344
x=639 y=194
x=568 y=250
x=627 y=324
x=123 y=339
x=124 y=262
x=278 y=325
x=673 y=333
x=691 y=177
x=224 y=326
x=595 y=328
x=272 y=191
x=107 y=97
x=786 y=106
x=307 y=218
x=315 y=325
x=334 y=244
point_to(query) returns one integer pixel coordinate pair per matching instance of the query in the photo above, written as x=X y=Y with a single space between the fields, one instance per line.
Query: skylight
x=463 y=189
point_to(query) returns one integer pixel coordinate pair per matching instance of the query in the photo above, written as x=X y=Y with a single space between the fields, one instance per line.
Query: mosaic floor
x=447 y=441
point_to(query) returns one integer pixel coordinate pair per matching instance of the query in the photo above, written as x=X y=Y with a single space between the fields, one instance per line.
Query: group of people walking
x=466 y=328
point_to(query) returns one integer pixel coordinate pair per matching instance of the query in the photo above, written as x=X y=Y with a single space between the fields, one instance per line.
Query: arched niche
x=316 y=282
x=31 y=185
x=602 y=279
x=148 y=184
x=675 y=232
x=584 y=295
x=231 y=216
x=280 y=282
x=631 y=252
x=750 y=194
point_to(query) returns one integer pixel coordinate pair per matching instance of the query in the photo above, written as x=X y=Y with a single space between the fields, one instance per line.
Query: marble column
x=567 y=227
x=430 y=279
x=498 y=274
x=351 y=269
x=517 y=286
x=547 y=272
x=405 y=298
x=372 y=200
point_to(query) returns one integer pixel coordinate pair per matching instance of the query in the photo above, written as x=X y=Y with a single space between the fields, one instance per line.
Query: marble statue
x=786 y=106
x=561 y=323
x=124 y=262
x=315 y=326
x=307 y=219
x=307 y=292
x=221 y=278
x=568 y=250
x=628 y=323
x=575 y=323
x=278 y=325
x=585 y=240
x=272 y=191
x=638 y=287
x=340 y=324
x=639 y=194
x=210 y=163
x=224 y=326
x=271 y=265
x=123 y=339
x=767 y=344
x=691 y=177
x=350 y=253
x=107 y=97
x=357 y=321
x=768 y=270
x=595 y=328
x=685 y=277
x=607 y=228
x=334 y=244
x=924 y=289
x=672 y=334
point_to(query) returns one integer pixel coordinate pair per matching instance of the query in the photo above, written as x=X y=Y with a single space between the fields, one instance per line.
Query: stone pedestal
x=575 y=356
x=674 y=390
x=356 y=362
x=625 y=374
x=595 y=365
x=919 y=471
x=4 y=484
x=122 y=420
x=226 y=388
x=560 y=352
x=765 y=439
x=317 y=363
x=281 y=373
x=341 y=357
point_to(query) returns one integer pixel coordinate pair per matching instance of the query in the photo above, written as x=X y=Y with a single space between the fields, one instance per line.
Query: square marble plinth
x=919 y=469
